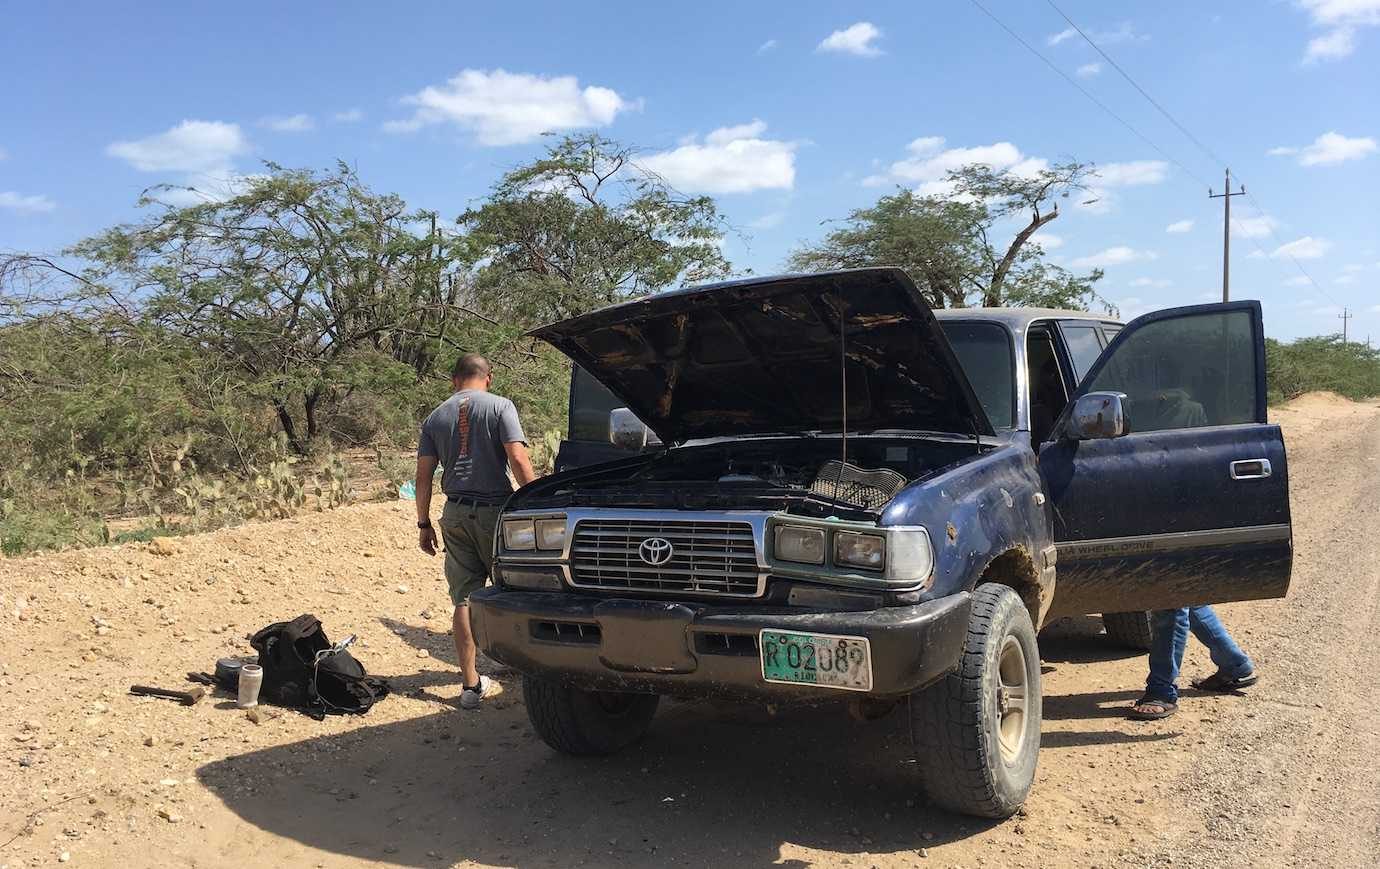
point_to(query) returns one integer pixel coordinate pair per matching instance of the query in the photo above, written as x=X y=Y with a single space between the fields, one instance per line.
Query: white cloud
x=35 y=203
x=1307 y=247
x=1282 y=151
x=1297 y=281
x=1088 y=70
x=1179 y=226
x=299 y=123
x=855 y=39
x=1329 y=149
x=730 y=160
x=1099 y=197
x=1345 y=280
x=1254 y=227
x=1352 y=268
x=928 y=163
x=1132 y=174
x=190 y=147
x=1342 y=19
x=505 y=108
x=1158 y=283
x=770 y=220
x=1332 y=45
x=349 y=116
x=1123 y=32
x=1113 y=256
x=1132 y=307
x=766 y=46
x=1049 y=241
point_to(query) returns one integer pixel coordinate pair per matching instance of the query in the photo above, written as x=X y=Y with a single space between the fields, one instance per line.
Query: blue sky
x=790 y=114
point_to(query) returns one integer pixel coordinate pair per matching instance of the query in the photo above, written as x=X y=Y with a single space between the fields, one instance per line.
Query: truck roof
x=1019 y=318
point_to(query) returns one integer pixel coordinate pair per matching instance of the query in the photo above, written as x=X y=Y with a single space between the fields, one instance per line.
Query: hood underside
x=765 y=355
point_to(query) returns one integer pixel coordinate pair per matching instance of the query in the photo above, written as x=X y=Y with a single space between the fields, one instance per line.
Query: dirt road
x=92 y=776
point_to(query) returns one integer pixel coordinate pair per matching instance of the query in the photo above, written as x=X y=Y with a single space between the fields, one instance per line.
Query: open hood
x=764 y=355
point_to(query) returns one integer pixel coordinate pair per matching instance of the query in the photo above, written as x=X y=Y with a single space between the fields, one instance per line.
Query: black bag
x=296 y=673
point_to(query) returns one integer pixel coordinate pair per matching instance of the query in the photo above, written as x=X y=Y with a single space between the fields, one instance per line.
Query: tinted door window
x=1185 y=372
x=1084 y=347
x=984 y=352
x=590 y=404
x=1047 y=393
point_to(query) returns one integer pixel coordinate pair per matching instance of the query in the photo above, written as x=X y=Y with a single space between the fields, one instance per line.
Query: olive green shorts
x=468 y=533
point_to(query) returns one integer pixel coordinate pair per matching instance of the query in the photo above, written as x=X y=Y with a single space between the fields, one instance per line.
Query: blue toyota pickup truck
x=847 y=496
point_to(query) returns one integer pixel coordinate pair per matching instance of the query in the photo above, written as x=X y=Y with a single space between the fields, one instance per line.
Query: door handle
x=1251 y=469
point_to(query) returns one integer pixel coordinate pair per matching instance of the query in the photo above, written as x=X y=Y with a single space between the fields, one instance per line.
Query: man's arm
x=520 y=462
x=426 y=537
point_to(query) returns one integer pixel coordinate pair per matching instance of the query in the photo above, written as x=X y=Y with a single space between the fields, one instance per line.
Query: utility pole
x=1226 y=196
x=1345 y=315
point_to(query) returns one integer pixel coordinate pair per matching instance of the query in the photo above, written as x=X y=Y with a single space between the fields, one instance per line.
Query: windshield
x=984 y=351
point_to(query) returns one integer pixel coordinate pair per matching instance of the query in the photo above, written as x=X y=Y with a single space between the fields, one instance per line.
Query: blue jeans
x=1169 y=635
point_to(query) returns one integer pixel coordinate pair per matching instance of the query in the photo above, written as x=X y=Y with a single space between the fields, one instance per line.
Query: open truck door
x=1167 y=485
x=590 y=441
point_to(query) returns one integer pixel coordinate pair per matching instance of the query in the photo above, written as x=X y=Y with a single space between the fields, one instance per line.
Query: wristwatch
x=426 y=524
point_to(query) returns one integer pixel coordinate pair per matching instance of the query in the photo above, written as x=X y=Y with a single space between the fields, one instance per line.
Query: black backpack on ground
x=297 y=674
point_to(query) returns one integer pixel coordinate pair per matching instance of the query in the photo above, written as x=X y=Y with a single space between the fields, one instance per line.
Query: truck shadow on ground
x=712 y=784
x=709 y=786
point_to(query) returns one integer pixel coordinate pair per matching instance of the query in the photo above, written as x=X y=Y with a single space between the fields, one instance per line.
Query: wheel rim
x=1013 y=694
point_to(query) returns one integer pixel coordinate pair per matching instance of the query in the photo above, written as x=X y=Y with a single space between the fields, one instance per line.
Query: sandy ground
x=1288 y=775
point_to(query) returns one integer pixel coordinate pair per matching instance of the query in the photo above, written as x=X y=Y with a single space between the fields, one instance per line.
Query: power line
x=1101 y=105
x=1212 y=155
x=1124 y=74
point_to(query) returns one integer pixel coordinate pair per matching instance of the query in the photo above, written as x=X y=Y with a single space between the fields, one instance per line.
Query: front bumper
x=698 y=650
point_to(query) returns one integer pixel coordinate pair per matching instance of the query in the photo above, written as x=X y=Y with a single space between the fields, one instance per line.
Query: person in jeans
x=1169 y=631
x=475 y=437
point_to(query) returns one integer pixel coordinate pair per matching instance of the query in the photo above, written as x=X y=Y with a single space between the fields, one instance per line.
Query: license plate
x=824 y=660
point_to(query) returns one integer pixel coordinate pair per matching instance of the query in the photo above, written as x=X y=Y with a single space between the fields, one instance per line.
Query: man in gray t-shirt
x=474 y=437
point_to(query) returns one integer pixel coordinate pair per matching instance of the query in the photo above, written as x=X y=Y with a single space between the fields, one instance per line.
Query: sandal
x=1162 y=709
x=1221 y=684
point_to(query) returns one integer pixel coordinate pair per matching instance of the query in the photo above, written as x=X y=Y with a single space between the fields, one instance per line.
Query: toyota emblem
x=656 y=551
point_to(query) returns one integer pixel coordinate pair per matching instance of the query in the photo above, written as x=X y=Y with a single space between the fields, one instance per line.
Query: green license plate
x=824 y=660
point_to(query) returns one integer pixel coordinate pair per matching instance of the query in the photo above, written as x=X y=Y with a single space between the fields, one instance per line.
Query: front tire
x=583 y=723
x=976 y=732
x=1130 y=630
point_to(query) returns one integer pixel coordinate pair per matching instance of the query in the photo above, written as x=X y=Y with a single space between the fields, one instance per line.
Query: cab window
x=1084 y=346
x=984 y=353
x=1185 y=372
x=1047 y=393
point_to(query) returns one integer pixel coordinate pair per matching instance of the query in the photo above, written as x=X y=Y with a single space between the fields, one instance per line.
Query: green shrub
x=1321 y=363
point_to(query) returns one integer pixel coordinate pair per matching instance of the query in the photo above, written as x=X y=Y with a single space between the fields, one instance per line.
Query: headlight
x=519 y=534
x=911 y=556
x=867 y=551
x=551 y=533
x=799 y=544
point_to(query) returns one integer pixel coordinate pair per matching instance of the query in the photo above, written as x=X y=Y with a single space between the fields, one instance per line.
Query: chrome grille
x=708 y=557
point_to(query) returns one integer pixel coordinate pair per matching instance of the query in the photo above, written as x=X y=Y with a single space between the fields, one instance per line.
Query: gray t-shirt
x=466 y=434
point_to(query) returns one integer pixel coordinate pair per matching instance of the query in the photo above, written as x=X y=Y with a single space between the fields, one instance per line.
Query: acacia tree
x=946 y=243
x=309 y=284
x=584 y=226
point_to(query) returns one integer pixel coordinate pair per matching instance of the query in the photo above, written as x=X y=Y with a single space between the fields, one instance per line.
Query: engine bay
x=806 y=475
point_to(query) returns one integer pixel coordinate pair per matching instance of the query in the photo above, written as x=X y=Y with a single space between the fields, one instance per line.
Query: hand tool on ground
x=187 y=698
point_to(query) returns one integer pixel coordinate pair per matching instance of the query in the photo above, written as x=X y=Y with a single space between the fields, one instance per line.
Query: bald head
x=471 y=371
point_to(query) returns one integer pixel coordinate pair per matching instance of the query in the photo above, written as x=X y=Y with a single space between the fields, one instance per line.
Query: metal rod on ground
x=1226 y=196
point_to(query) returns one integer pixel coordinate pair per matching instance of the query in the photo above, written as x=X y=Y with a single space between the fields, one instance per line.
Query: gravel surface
x=1286 y=775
